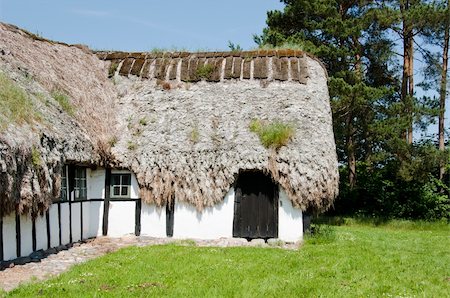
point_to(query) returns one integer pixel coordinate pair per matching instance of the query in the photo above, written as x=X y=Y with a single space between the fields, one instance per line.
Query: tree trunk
x=407 y=90
x=443 y=91
x=351 y=158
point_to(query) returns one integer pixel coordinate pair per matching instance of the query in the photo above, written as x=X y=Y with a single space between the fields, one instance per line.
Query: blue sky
x=142 y=25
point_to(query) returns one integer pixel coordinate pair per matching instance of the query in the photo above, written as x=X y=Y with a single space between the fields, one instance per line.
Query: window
x=64 y=184
x=120 y=185
x=80 y=189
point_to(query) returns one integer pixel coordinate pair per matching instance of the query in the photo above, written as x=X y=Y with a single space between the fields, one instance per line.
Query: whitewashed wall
x=26 y=239
x=76 y=222
x=65 y=224
x=41 y=233
x=153 y=221
x=212 y=223
x=9 y=237
x=290 y=220
x=54 y=225
x=96 y=183
x=121 y=219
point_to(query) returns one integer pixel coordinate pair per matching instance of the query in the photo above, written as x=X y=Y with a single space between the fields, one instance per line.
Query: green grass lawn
x=352 y=260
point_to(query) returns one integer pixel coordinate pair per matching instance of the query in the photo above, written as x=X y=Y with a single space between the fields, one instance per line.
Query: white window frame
x=120 y=186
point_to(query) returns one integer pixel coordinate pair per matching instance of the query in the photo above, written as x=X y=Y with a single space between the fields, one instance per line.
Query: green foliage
x=370 y=110
x=204 y=71
x=15 y=105
x=321 y=234
x=362 y=261
x=143 y=121
x=194 y=135
x=131 y=145
x=63 y=101
x=274 y=134
x=112 y=69
x=36 y=159
x=113 y=141
x=234 y=47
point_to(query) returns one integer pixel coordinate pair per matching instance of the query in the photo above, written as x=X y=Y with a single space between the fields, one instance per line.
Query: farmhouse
x=186 y=145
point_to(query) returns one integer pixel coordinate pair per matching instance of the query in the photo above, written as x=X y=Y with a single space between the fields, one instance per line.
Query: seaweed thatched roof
x=184 y=123
x=180 y=121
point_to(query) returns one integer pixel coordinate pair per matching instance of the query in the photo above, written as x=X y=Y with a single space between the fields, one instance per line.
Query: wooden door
x=256 y=206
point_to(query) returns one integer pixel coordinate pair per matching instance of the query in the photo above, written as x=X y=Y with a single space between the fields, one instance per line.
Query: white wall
x=96 y=183
x=76 y=222
x=95 y=219
x=290 y=220
x=121 y=218
x=65 y=223
x=41 y=232
x=212 y=223
x=153 y=220
x=26 y=239
x=9 y=237
x=54 y=225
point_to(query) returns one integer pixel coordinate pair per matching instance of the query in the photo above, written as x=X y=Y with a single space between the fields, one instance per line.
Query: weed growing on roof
x=204 y=71
x=272 y=135
x=112 y=69
x=63 y=101
x=143 y=121
x=131 y=146
x=36 y=159
x=194 y=135
x=15 y=105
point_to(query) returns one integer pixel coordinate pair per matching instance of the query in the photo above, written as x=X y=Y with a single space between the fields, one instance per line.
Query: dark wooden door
x=256 y=206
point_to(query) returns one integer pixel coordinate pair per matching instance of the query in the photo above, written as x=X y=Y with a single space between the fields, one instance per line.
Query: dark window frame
x=80 y=184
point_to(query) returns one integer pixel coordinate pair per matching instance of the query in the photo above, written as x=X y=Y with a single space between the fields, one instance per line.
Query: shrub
x=272 y=135
x=63 y=101
x=15 y=104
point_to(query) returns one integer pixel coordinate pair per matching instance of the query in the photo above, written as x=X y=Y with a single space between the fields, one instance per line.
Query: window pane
x=83 y=193
x=115 y=179
x=82 y=172
x=126 y=179
x=83 y=183
x=124 y=191
x=116 y=190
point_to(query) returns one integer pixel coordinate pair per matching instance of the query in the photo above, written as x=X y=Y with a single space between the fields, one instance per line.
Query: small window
x=120 y=185
x=64 y=184
x=80 y=187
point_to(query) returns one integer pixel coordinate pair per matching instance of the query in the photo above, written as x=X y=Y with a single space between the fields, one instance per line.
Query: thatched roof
x=180 y=121
x=33 y=149
x=185 y=131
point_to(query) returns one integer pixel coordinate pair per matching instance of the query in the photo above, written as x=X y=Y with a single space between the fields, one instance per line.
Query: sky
x=142 y=25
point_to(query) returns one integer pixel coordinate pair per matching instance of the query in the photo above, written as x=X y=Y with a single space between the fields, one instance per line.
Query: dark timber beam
x=106 y=202
x=137 y=230
x=18 y=238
